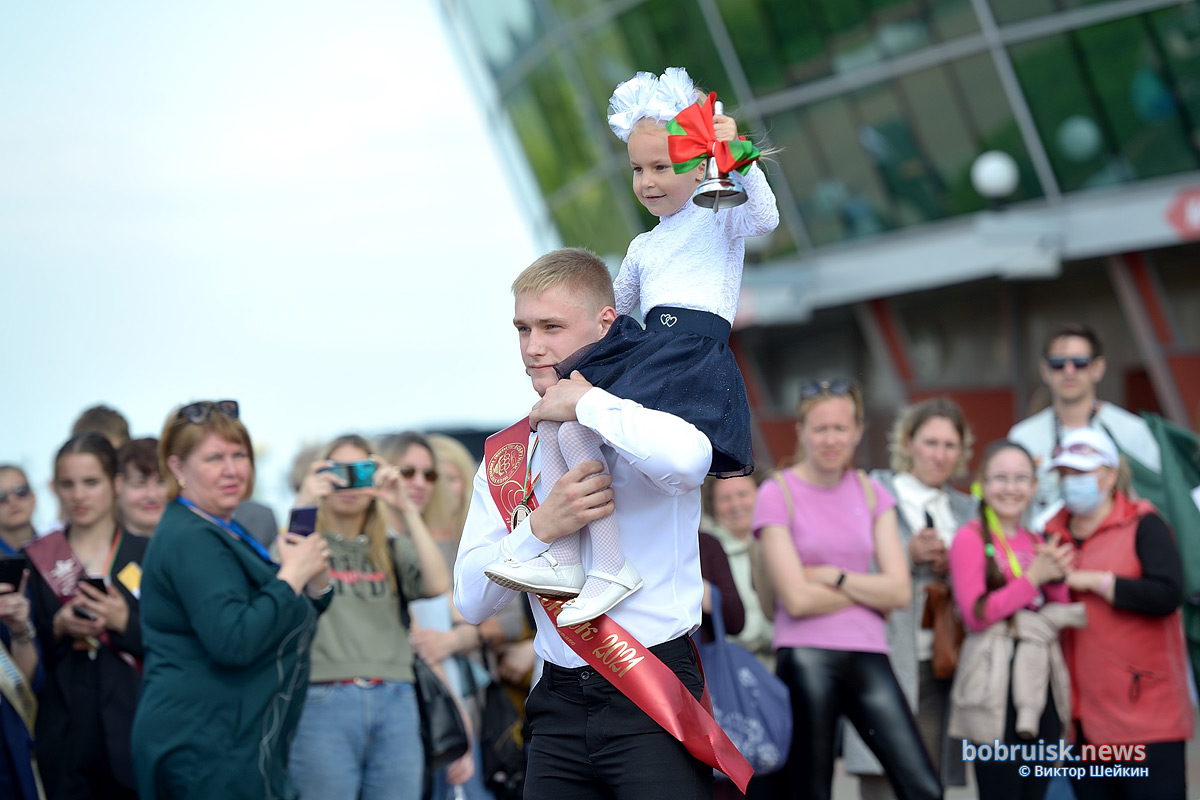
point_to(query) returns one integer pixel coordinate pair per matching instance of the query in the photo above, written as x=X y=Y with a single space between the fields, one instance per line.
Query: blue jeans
x=358 y=742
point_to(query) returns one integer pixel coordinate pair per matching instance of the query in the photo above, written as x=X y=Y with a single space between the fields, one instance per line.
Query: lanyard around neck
x=233 y=529
x=531 y=480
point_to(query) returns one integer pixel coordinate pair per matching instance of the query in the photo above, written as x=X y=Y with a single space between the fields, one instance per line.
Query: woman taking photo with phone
x=999 y=569
x=822 y=525
x=1129 y=664
x=359 y=735
x=83 y=585
x=227 y=628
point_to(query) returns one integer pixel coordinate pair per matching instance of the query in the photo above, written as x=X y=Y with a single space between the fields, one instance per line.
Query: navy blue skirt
x=681 y=364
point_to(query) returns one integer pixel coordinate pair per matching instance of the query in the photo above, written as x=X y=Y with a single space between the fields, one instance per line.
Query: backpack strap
x=868 y=491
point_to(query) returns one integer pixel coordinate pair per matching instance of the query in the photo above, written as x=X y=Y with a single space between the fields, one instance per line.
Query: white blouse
x=693 y=258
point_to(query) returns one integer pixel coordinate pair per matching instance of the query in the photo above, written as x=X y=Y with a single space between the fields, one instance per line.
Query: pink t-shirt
x=968 y=567
x=830 y=525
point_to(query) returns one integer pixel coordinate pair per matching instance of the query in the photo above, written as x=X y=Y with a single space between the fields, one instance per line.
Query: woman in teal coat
x=226 y=630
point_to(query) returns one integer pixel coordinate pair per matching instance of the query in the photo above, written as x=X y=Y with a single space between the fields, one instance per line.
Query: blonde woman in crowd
x=930 y=444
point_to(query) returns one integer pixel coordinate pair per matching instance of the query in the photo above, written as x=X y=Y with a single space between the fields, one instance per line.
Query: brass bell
x=719 y=188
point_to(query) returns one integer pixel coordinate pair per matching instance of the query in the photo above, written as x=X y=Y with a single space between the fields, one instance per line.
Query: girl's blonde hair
x=445 y=510
x=374 y=527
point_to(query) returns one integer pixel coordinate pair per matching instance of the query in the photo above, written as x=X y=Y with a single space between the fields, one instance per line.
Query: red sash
x=608 y=647
x=55 y=561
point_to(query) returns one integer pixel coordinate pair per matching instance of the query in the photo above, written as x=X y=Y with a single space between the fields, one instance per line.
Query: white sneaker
x=542 y=575
x=624 y=583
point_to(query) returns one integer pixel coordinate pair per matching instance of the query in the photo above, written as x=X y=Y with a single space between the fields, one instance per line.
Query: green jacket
x=227 y=663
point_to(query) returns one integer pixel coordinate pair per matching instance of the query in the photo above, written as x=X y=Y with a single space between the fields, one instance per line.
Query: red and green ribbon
x=691 y=139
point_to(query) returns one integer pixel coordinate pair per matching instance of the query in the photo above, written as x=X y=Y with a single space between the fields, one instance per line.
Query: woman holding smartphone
x=83 y=584
x=359 y=735
x=227 y=627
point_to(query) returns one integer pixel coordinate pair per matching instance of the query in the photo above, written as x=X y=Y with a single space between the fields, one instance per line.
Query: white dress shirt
x=658 y=462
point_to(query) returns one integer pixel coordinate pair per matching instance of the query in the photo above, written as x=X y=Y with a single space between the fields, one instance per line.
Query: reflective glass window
x=1136 y=95
x=593 y=218
x=837 y=187
x=658 y=36
x=556 y=140
x=1106 y=102
x=886 y=135
x=951 y=18
x=1077 y=136
x=785 y=42
x=1177 y=36
x=505 y=29
x=1006 y=11
x=570 y=9
x=957 y=112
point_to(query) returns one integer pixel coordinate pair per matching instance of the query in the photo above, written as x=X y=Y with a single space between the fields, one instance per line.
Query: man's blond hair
x=573 y=267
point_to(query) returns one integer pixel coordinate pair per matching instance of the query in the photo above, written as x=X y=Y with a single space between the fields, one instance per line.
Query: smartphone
x=98 y=585
x=11 y=569
x=303 y=520
x=95 y=583
x=354 y=474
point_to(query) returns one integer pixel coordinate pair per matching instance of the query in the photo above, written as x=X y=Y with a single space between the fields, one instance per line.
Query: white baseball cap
x=1086 y=449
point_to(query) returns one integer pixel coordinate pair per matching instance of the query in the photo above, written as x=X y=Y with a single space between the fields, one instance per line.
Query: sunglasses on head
x=837 y=388
x=430 y=475
x=198 y=413
x=16 y=493
x=1060 y=362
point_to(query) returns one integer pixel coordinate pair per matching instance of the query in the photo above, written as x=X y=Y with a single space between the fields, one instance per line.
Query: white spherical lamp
x=1079 y=138
x=995 y=175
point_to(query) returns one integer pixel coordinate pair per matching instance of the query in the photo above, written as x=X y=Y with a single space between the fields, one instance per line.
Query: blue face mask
x=1081 y=493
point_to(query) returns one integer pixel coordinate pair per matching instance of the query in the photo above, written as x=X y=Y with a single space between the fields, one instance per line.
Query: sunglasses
x=16 y=493
x=1078 y=449
x=1060 y=362
x=198 y=413
x=837 y=387
x=430 y=475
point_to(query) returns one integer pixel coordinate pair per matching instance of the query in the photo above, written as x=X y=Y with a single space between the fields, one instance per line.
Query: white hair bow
x=646 y=95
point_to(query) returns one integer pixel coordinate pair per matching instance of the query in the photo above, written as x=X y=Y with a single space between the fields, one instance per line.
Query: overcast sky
x=278 y=202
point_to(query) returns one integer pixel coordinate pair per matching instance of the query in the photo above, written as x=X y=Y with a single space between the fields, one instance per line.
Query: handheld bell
x=719 y=188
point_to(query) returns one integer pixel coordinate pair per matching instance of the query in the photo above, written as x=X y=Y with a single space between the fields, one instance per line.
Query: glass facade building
x=888 y=265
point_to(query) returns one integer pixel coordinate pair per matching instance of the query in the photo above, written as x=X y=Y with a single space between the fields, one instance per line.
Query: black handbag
x=443 y=732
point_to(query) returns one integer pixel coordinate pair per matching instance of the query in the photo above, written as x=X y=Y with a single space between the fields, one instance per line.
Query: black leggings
x=827 y=684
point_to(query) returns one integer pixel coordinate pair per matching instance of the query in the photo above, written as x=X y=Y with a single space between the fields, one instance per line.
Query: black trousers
x=827 y=684
x=590 y=741
x=1167 y=778
x=1002 y=780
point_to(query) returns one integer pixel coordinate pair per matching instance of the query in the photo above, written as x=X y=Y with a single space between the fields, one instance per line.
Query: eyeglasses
x=430 y=475
x=1010 y=480
x=16 y=493
x=837 y=387
x=1057 y=363
x=198 y=413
